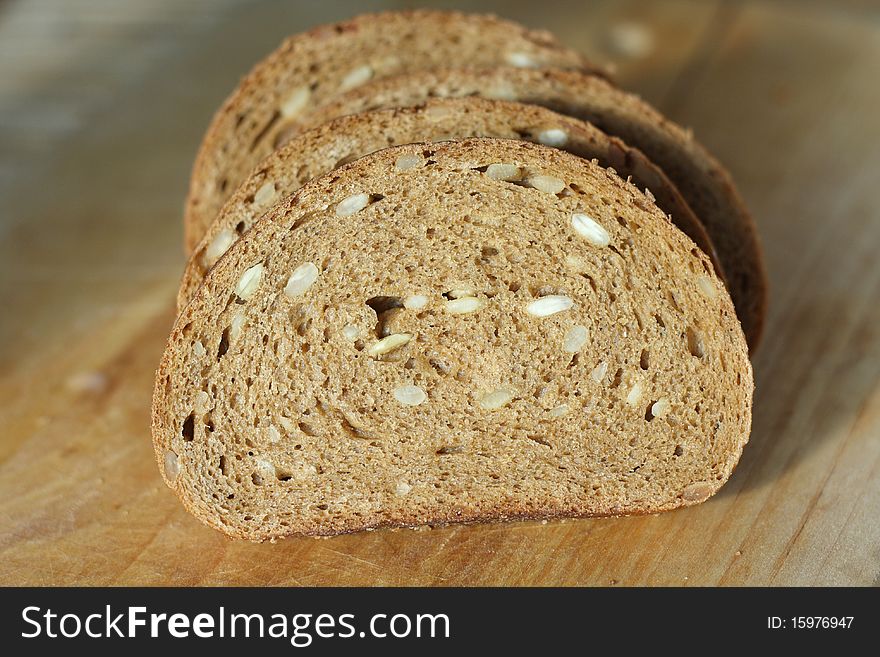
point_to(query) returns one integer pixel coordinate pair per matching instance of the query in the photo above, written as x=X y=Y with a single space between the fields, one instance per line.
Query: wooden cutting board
x=100 y=121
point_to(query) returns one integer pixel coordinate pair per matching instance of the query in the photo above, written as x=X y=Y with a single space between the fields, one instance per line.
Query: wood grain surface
x=102 y=105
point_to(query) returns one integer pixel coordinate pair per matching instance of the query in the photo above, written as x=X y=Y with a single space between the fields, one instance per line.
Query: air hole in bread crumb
x=223 y=465
x=540 y=440
x=283 y=476
x=618 y=377
x=622 y=222
x=649 y=415
x=257 y=479
x=645 y=359
x=189 y=427
x=223 y=347
x=308 y=429
x=441 y=366
x=659 y=320
x=450 y=449
x=381 y=305
x=239 y=228
x=695 y=343
x=276 y=115
x=678 y=451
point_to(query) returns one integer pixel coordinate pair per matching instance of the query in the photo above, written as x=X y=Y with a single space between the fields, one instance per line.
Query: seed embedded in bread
x=661 y=407
x=356 y=77
x=249 y=282
x=556 y=137
x=415 y=302
x=273 y=434
x=492 y=401
x=635 y=394
x=521 y=60
x=558 y=411
x=172 y=466
x=575 y=339
x=549 y=305
x=408 y=161
x=302 y=278
x=219 y=245
x=507 y=172
x=350 y=332
x=590 y=230
x=352 y=204
x=389 y=343
x=402 y=489
x=598 y=373
x=295 y=102
x=546 y=184
x=464 y=305
x=410 y=395
x=265 y=194
x=706 y=287
x=236 y=325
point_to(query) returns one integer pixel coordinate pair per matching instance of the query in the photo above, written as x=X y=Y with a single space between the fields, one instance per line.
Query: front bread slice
x=310 y=68
x=318 y=151
x=428 y=335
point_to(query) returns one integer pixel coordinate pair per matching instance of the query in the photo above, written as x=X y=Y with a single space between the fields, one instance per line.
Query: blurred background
x=102 y=106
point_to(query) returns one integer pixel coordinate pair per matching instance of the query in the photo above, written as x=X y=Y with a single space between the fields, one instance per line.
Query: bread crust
x=701 y=179
x=242 y=131
x=321 y=149
x=182 y=454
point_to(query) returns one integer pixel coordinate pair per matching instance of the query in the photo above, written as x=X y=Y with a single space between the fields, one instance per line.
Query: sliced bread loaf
x=309 y=68
x=318 y=151
x=418 y=337
x=702 y=181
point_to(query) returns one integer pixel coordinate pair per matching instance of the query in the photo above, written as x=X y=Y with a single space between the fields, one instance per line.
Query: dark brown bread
x=310 y=68
x=422 y=337
x=318 y=151
x=702 y=181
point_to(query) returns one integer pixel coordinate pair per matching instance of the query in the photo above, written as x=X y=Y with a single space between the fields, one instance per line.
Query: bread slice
x=320 y=150
x=702 y=181
x=426 y=336
x=309 y=68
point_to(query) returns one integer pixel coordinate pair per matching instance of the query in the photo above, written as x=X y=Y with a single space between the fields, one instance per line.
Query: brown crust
x=249 y=109
x=317 y=151
x=312 y=195
x=701 y=179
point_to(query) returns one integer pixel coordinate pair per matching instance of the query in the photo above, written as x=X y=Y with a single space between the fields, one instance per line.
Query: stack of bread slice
x=443 y=270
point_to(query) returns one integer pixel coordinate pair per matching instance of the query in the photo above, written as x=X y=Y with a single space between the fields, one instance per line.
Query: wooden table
x=101 y=110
